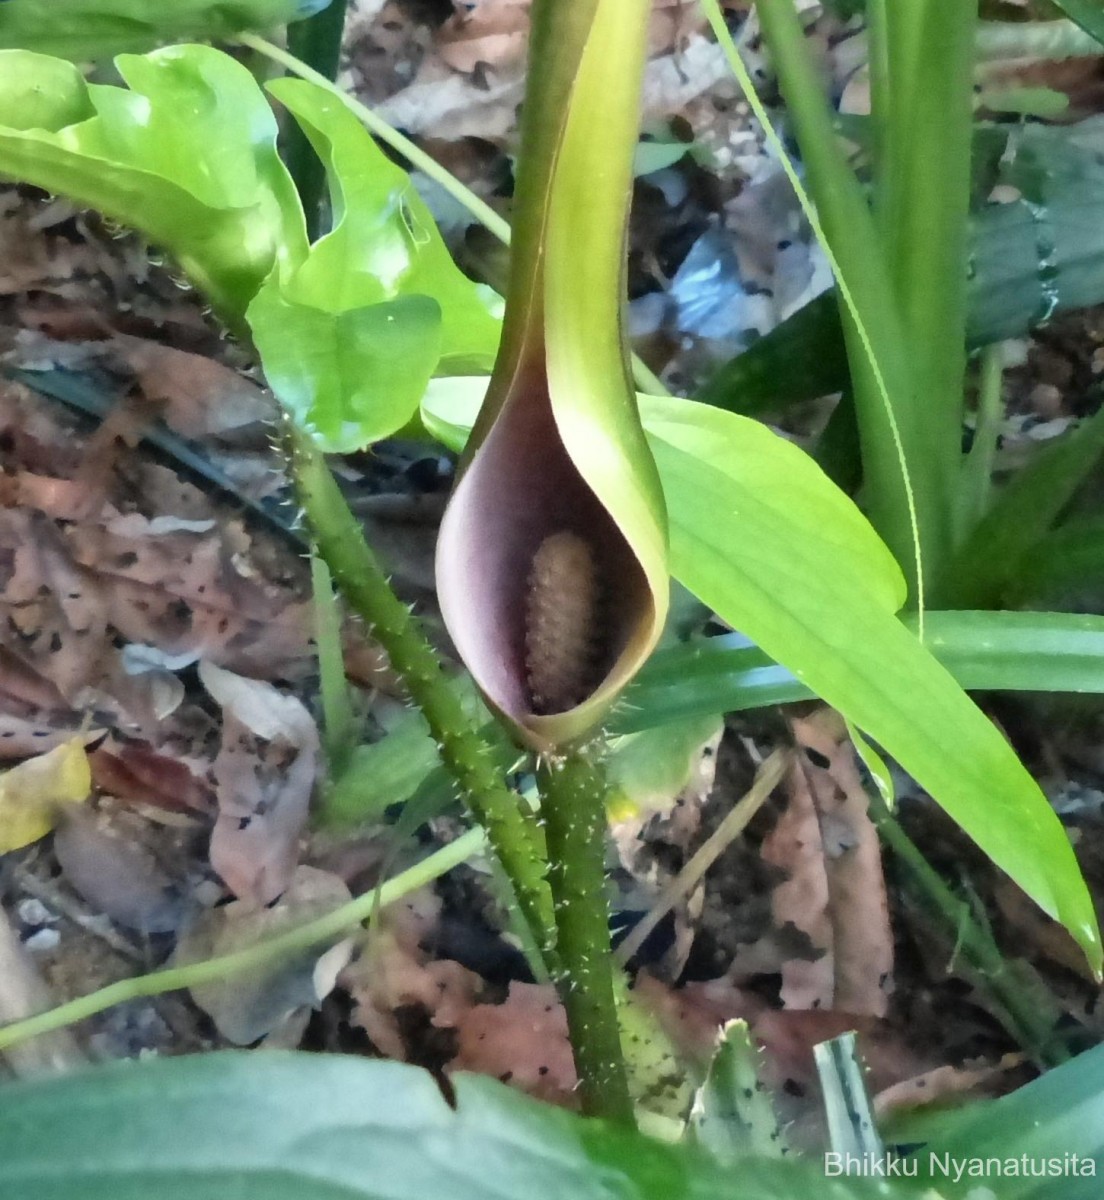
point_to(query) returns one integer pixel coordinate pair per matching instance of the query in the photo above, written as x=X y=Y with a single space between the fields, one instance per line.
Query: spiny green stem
x=465 y=755
x=1022 y=999
x=573 y=810
x=338 y=718
x=213 y=970
x=645 y=378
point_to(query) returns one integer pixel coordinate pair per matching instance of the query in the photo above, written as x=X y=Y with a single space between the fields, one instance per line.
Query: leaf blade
x=811 y=610
x=284 y=1126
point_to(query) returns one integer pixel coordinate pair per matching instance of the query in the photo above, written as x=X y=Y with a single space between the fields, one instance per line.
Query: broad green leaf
x=647 y=770
x=1064 y=570
x=350 y=335
x=1087 y=13
x=1021 y=515
x=384 y=243
x=391 y=770
x=283 y=1126
x=1057 y=1119
x=801 y=359
x=755 y=534
x=763 y=490
x=87 y=29
x=984 y=651
x=350 y=378
x=186 y=155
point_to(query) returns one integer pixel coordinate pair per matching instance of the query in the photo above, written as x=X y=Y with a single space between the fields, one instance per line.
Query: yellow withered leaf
x=32 y=793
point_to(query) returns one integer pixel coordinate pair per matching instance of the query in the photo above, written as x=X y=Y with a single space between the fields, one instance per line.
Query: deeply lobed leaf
x=186 y=154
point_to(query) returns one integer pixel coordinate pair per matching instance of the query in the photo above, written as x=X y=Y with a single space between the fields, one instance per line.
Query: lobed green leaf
x=186 y=155
x=350 y=336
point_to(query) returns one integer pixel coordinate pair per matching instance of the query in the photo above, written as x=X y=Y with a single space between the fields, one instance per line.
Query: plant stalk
x=1021 y=998
x=897 y=503
x=465 y=755
x=924 y=190
x=572 y=789
x=977 y=470
x=329 y=927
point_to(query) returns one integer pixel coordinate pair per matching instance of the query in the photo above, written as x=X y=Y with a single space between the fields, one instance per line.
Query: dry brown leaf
x=1035 y=929
x=126 y=867
x=859 y=910
x=24 y=736
x=835 y=892
x=186 y=588
x=945 y=1083
x=801 y=900
x=394 y=972
x=444 y=103
x=692 y=1014
x=29 y=256
x=247 y=1007
x=522 y=1041
x=195 y=396
x=494 y=33
x=491 y=33
x=136 y=771
x=264 y=775
x=56 y=610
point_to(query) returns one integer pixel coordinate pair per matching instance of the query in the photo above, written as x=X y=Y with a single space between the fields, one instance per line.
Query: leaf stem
x=466 y=756
x=977 y=470
x=573 y=792
x=211 y=970
x=1021 y=999
x=844 y=227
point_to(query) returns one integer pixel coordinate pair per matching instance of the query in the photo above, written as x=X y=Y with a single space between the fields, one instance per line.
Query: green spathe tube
x=552 y=558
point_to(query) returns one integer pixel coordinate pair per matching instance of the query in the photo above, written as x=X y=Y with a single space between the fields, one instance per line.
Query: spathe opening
x=521 y=489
